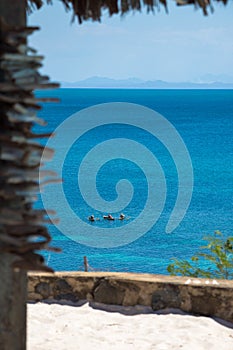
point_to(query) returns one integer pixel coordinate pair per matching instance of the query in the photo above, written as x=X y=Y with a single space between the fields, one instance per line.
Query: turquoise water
x=204 y=119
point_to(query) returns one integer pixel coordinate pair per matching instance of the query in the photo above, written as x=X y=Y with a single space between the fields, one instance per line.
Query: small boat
x=108 y=217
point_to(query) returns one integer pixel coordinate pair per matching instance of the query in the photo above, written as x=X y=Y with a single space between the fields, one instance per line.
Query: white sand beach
x=106 y=327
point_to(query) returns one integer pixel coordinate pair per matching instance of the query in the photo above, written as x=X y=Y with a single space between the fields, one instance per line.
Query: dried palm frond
x=92 y=9
x=22 y=230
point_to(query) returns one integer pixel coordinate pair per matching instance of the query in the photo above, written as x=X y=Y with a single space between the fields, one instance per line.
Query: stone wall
x=197 y=296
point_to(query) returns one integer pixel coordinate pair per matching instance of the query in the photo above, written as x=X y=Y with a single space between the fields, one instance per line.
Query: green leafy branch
x=218 y=252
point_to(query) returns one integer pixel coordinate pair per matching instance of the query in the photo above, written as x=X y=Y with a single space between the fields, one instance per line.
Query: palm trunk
x=13 y=297
x=13 y=284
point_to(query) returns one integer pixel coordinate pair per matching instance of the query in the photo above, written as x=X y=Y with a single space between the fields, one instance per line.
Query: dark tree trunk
x=13 y=284
x=13 y=297
x=14 y=12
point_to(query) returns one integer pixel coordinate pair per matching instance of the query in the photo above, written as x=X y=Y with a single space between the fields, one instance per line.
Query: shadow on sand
x=130 y=310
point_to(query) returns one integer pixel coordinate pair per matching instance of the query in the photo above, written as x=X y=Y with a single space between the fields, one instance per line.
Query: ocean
x=204 y=121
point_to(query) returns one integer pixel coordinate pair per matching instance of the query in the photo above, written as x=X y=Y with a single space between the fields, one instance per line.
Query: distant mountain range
x=135 y=83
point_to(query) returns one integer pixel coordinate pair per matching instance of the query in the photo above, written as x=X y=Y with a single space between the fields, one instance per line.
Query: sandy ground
x=98 y=326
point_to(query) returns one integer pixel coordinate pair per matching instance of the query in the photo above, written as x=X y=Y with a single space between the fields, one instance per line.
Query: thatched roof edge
x=92 y=9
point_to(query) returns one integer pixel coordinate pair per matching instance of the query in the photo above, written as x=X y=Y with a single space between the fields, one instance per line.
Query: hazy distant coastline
x=135 y=83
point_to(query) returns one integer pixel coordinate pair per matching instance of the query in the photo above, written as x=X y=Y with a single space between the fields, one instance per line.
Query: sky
x=180 y=46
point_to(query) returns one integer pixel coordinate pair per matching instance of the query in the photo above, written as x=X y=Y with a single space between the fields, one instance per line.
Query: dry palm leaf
x=22 y=230
x=92 y=9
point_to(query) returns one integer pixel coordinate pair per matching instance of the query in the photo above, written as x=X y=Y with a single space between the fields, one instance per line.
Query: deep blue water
x=204 y=120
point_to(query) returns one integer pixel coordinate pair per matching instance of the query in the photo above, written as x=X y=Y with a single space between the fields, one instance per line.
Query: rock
x=43 y=289
x=168 y=297
x=108 y=293
x=62 y=290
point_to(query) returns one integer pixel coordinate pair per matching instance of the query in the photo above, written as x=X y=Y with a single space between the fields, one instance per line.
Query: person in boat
x=122 y=216
x=91 y=218
x=108 y=217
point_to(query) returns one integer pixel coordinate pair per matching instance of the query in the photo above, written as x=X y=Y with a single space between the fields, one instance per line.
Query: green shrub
x=218 y=253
